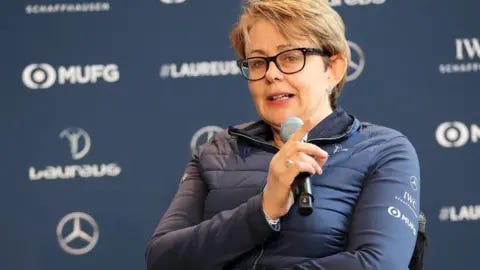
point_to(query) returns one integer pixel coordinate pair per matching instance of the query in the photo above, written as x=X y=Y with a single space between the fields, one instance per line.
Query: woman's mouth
x=279 y=97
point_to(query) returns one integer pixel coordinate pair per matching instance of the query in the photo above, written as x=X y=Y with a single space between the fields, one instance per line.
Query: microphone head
x=290 y=126
x=422 y=222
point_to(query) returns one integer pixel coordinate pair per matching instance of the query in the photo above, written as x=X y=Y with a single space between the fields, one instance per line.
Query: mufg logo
x=457 y=134
x=42 y=76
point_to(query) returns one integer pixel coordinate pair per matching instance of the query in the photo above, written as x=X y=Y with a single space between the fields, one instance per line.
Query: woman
x=234 y=207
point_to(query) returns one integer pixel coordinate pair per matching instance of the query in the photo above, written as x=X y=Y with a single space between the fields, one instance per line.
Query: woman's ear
x=338 y=68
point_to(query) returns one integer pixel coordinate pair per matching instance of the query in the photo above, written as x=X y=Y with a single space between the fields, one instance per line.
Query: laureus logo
x=460 y=213
x=199 y=69
x=80 y=143
x=75 y=136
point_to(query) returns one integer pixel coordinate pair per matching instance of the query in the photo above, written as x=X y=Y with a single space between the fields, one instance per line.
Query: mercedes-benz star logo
x=77 y=233
x=356 y=65
x=74 y=135
x=37 y=76
x=413 y=183
x=206 y=133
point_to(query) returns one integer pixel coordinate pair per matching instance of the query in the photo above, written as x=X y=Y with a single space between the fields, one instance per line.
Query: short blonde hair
x=313 y=20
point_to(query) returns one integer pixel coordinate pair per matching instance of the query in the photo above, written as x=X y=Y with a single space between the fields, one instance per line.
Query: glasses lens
x=254 y=68
x=288 y=62
x=291 y=61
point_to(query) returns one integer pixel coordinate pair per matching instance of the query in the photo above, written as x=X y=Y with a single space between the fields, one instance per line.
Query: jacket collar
x=337 y=126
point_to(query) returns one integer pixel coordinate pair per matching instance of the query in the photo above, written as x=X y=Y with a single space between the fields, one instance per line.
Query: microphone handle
x=302 y=190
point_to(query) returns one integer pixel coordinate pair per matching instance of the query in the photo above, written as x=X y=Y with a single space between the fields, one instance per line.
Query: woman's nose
x=273 y=73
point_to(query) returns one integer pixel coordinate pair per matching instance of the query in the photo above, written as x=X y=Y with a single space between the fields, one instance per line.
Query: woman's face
x=303 y=94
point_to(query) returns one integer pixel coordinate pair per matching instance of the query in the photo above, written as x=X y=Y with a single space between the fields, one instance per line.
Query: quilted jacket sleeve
x=385 y=221
x=183 y=240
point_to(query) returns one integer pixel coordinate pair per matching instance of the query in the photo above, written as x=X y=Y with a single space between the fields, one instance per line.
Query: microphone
x=302 y=188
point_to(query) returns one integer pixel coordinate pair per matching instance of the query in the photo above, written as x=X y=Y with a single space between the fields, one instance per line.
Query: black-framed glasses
x=288 y=62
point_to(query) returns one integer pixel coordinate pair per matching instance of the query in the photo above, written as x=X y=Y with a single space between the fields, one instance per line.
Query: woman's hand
x=293 y=158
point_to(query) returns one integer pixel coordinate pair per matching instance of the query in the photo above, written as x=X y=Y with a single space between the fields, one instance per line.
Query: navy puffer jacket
x=365 y=210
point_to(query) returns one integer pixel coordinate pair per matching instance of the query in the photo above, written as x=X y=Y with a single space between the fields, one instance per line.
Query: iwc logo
x=467 y=57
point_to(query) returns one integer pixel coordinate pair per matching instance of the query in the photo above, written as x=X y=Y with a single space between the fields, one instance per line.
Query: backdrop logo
x=357 y=64
x=458 y=214
x=75 y=136
x=456 y=134
x=469 y=48
x=77 y=233
x=67 y=8
x=172 y=1
x=37 y=76
x=202 y=136
x=467 y=54
x=41 y=76
x=199 y=69
x=80 y=144
x=337 y=3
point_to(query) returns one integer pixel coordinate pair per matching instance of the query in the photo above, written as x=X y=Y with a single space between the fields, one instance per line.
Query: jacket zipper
x=264 y=143
x=320 y=140
x=255 y=263
x=276 y=149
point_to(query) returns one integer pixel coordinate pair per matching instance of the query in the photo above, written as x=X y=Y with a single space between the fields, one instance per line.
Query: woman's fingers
x=302 y=131
x=310 y=149
x=306 y=163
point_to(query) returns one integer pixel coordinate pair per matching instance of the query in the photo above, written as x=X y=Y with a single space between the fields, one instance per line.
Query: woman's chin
x=278 y=120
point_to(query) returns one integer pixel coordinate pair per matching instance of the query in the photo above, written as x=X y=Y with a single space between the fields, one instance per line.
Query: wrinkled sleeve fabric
x=384 y=224
x=183 y=240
